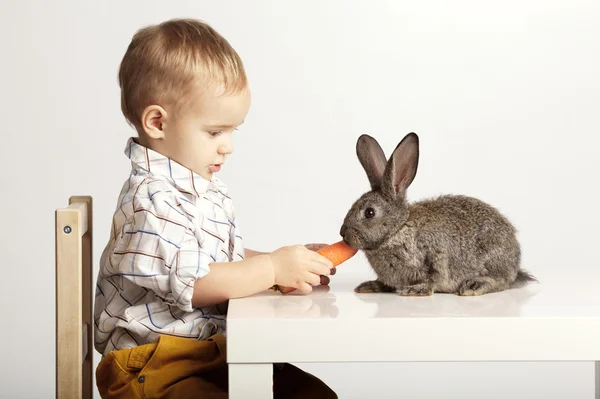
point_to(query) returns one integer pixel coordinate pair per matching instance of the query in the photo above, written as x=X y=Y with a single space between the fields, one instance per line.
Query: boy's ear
x=153 y=121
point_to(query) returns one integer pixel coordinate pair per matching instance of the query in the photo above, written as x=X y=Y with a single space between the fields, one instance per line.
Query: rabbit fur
x=449 y=244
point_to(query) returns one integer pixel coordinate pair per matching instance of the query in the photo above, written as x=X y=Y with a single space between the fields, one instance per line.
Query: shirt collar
x=157 y=164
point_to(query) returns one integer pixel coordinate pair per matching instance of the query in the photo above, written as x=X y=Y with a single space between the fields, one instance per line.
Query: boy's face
x=199 y=135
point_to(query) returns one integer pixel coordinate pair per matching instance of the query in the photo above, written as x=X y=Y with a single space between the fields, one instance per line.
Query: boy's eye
x=217 y=133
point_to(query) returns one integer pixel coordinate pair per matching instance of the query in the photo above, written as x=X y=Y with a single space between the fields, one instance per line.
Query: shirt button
x=141 y=379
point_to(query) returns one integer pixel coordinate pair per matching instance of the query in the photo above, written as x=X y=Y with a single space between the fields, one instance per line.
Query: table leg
x=250 y=380
x=597 y=380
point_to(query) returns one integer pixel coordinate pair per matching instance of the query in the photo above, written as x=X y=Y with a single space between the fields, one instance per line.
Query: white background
x=504 y=95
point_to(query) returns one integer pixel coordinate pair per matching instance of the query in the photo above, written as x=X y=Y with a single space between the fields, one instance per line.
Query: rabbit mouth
x=355 y=239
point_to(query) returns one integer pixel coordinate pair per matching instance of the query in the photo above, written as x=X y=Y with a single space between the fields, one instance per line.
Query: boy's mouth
x=214 y=168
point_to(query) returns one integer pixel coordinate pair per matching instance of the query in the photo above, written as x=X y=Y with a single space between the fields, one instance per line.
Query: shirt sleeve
x=235 y=235
x=158 y=248
x=238 y=243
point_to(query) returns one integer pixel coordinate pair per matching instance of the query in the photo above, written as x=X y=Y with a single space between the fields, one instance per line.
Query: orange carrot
x=337 y=253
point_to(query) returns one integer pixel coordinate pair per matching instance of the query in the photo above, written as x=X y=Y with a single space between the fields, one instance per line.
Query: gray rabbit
x=450 y=244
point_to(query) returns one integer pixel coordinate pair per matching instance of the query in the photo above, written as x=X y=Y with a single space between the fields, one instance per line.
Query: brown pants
x=184 y=368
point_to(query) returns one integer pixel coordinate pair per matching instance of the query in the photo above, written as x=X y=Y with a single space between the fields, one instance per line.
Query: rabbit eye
x=369 y=213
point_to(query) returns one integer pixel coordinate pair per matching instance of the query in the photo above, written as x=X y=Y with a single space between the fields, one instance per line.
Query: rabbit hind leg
x=481 y=285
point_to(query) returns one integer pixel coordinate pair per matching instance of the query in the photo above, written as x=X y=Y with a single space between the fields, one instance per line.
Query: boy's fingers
x=325 y=280
x=304 y=288
x=332 y=271
x=323 y=260
x=313 y=279
x=320 y=269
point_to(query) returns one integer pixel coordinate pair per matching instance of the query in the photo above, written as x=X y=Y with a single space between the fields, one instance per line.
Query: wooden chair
x=74 y=341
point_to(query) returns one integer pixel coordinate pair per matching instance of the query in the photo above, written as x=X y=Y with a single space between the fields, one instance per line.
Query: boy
x=175 y=255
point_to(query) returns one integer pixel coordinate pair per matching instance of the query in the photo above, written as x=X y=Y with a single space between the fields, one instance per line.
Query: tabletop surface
x=565 y=295
x=555 y=319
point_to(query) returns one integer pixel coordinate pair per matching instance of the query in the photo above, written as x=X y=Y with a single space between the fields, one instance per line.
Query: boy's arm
x=292 y=266
x=246 y=277
x=250 y=253
x=313 y=247
x=228 y=280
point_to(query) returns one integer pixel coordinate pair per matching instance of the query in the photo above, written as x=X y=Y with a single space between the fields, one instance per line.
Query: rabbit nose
x=343 y=231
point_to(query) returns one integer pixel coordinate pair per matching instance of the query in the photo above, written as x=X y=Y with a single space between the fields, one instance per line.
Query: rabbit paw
x=373 y=286
x=475 y=286
x=422 y=289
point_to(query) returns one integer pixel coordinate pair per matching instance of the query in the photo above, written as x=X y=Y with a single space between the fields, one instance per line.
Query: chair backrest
x=74 y=294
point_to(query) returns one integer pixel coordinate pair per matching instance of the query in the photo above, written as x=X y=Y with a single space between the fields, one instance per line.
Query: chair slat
x=74 y=295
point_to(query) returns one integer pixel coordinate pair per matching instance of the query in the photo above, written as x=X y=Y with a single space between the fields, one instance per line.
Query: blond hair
x=164 y=62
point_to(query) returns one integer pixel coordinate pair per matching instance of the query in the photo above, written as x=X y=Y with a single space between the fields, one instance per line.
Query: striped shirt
x=169 y=225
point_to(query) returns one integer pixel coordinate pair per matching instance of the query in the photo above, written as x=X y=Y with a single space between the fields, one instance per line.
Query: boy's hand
x=324 y=279
x=315 y=247
x=298 y=267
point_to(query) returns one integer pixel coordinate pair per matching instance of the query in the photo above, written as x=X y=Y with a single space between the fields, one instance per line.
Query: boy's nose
x=226 y=147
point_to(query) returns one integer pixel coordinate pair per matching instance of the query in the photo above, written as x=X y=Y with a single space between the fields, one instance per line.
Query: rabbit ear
x=401 y=168
x=372 y=159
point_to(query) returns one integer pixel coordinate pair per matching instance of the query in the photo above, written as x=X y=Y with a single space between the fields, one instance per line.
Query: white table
x=556 y=320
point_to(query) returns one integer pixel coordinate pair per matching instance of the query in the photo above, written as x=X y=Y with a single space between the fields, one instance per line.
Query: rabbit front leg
x=430 y=269
x=373 y=286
